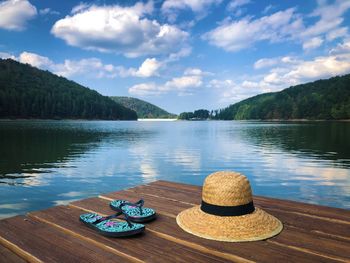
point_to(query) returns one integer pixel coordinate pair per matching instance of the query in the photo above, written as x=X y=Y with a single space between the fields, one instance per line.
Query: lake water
x=46 y=163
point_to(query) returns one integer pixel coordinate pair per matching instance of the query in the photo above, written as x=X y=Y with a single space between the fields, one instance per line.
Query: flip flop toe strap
x=138 y=204
x=126 y=218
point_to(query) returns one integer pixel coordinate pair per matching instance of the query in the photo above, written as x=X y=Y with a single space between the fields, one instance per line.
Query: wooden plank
x=314 y=243
x=324 y=212
x=331 y=213
x=39 y=242
x=147 y=247
x=185 y=197
x=167 y=207
x=260 y=251
x=290 y=236
x=8 y=256
x=339 y=229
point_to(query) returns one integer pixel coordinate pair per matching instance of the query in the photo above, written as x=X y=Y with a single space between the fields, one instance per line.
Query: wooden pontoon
x=311 y=233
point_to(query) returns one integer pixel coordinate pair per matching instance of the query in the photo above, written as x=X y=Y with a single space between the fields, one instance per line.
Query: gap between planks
x=285 y=245
x=326 y=235
x=98 y=244
x=18 y=251
x=152 y=247
x=31 y=258
x=138 y=190
x=305 y=250
x=194 y=189
x=196 y=246
x=150 y=186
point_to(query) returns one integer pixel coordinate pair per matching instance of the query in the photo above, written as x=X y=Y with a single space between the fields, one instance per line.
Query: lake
x=46 y=163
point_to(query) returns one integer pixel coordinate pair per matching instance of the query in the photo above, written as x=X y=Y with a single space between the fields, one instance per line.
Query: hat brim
x=255 y=226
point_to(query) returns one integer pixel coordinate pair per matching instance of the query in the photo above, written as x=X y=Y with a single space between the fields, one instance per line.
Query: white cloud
x=145 y=89
x=312 y=43
x=48 y=11
x=266 y=62
x=5 y=55
x=232 y=92
x=236 y=35
x=191 y=80
x=337 y=33
x=341 y=48
x=194 y=72
x=15 y=14
x=35 y=60
x=170 y=8
x=250 y=84
x=305 y=70
x=148 y=68
x=219 y=84
x=267 y=9
x=328 y=26
x=285 y=72
x=183 y=52
x=183 y=83
x=234 y=4
x=80 y=7
x=330 y=17
x=91 y=67
x=287 y=25
x=309 y=70
x=124 y=30
x=320 y=67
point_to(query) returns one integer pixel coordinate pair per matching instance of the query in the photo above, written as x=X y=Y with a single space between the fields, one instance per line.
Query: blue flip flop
x=112 y=228
x=135 y=211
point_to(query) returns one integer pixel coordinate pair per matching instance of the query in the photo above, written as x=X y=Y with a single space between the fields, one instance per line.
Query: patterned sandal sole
x=139 y=218
x=137 y=228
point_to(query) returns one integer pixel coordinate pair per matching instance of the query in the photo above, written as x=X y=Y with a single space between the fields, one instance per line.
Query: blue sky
x=180 y=54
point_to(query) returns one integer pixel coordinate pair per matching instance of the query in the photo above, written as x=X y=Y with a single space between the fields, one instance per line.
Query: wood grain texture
x=43 y=243
x=291 y=236
x=339 y=228
x=292 y=206
x=311 y=233
x=166 y=227
x=8 y=256
x=147 y=247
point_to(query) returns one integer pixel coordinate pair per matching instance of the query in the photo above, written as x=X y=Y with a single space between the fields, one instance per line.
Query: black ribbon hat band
x=237 y=210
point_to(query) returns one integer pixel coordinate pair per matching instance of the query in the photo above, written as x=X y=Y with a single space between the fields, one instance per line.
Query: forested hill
x=323 y=99
x=143 y=108
x=27 y=92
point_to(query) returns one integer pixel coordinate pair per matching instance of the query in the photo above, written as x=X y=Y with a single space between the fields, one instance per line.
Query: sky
x=181 y=55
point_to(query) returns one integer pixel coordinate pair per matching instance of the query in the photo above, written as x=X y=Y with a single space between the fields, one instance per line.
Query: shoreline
x=154 y=119
x=164 y=119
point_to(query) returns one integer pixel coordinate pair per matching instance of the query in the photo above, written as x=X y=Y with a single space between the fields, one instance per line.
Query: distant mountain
x=323 y=99
x=143 y=108
x=28 y=92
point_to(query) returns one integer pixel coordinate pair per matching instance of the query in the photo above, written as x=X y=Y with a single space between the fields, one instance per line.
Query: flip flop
x=111 y=228
x=135 y=211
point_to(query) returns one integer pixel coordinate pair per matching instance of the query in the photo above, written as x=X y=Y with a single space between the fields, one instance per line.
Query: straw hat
x=227 y=212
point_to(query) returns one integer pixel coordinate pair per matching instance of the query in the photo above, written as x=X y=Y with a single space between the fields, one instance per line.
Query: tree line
x=143 y=108
x=319 y=100
x=27 y=92
x=196 y=115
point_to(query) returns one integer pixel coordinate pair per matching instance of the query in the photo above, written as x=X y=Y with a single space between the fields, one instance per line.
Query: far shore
x=162 y=119
x=157 y=119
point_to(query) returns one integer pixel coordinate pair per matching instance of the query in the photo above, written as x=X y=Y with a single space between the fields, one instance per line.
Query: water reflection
x=29 y=150
x=323 y=140
x=45 y=163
